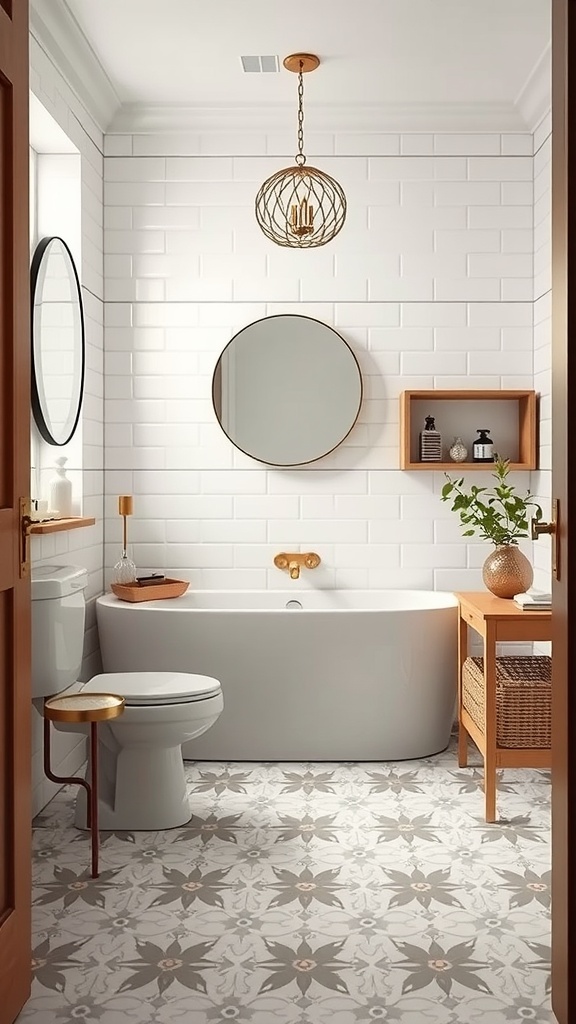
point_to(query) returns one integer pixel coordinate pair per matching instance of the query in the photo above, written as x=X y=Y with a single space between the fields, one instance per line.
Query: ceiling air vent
x=260 y=64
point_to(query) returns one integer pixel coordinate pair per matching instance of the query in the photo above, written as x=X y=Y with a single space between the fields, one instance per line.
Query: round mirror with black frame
x=58 y=341
x=287 y=390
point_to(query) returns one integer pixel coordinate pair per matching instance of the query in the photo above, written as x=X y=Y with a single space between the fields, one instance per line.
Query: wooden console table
x=496 y=620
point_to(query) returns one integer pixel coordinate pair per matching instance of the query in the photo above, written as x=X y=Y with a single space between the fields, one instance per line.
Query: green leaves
x=500 y=516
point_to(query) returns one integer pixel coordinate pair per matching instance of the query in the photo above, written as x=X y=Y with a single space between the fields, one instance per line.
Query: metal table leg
x=82 y=707
x=90 y=787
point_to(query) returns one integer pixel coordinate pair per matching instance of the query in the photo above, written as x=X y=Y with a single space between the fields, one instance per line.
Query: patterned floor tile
x=303 y=894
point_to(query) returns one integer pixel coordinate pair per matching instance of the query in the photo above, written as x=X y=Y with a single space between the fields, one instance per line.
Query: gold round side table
x=80 y=707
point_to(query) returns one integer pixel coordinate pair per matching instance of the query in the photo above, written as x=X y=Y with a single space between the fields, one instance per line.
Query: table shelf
x=496 y=620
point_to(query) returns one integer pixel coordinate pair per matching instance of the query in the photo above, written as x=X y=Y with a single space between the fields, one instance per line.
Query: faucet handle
x=292 y=561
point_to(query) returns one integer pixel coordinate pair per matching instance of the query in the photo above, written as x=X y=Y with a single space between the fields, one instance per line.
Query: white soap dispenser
x=61 y=490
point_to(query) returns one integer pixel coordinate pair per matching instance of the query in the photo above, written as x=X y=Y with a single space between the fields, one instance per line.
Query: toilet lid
x=154 y=687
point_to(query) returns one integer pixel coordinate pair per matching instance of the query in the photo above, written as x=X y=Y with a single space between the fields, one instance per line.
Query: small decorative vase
x=507 y=572
x=458 y=451
x=124 y=572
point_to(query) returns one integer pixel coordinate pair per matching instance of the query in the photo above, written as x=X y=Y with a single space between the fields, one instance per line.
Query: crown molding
x=535 y=98
x=450 y=117
x=58 y=33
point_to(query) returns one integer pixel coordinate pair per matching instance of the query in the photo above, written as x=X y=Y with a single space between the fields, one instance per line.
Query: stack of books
x=534 y=600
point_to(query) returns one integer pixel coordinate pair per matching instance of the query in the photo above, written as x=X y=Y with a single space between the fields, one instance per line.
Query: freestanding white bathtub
x=349 y=676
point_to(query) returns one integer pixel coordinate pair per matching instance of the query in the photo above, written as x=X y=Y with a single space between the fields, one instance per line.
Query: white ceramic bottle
x=61 y=490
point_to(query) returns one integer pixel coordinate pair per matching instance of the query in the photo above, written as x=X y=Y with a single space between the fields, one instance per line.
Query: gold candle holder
x=125 y=508
x=125 y=570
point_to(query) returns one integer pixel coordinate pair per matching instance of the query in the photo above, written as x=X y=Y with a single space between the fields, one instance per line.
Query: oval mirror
x=287 y=390
x=57 y=324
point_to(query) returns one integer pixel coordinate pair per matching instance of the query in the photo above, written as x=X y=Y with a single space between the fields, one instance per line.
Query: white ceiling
x=374 y=53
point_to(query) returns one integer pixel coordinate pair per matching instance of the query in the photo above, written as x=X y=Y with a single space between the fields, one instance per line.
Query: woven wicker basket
x=523 y=699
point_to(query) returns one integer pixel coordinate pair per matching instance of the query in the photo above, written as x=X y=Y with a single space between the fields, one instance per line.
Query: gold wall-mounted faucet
x=294 y=560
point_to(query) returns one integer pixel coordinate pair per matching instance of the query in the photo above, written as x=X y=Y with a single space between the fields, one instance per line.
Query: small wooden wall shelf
x=56 y=525
x=509 y=415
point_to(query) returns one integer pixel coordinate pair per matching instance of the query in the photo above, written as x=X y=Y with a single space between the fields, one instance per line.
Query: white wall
x=80 y=547
x=58 y=196
x=542 y=481
x=430 y=281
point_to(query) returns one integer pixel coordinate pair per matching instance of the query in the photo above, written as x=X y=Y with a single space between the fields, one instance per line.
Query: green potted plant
x=501 y=516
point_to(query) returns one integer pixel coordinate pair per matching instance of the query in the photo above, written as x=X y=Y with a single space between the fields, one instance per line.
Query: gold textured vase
x=507 y=572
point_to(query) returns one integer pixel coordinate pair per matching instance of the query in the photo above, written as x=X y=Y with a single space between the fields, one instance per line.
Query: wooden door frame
x=15 y=692
x=563 y=483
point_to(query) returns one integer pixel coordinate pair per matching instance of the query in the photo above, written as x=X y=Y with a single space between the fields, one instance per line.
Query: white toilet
x=141 y=772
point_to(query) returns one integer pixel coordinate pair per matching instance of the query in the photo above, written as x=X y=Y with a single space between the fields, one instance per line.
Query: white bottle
x=61 y=490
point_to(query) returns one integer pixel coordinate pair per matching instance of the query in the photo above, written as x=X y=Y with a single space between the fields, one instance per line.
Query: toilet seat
x=149 y=688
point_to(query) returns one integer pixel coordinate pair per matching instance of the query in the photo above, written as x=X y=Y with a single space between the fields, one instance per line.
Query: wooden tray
x=150 y=592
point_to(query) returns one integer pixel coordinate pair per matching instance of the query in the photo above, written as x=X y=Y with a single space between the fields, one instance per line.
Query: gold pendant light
x=301 y=206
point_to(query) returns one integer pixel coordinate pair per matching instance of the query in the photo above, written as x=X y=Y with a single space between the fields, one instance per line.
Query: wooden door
x=563 y=482
x=15 y=711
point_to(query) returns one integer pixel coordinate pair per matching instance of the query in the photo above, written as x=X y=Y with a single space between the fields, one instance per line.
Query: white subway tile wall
x=542 y=480
x=85 y=546
x=431 y=281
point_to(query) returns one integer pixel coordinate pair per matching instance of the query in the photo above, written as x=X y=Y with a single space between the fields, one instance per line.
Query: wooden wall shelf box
x=509 y=415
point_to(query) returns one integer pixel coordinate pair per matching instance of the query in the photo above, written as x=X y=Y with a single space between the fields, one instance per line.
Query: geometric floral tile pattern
x=303 y=894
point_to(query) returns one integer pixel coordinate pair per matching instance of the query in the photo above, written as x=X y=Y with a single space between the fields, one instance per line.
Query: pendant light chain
x=300 y=158
x=300 y=206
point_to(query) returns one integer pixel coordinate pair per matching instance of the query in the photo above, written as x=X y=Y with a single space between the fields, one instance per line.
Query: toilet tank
x=58 y=614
